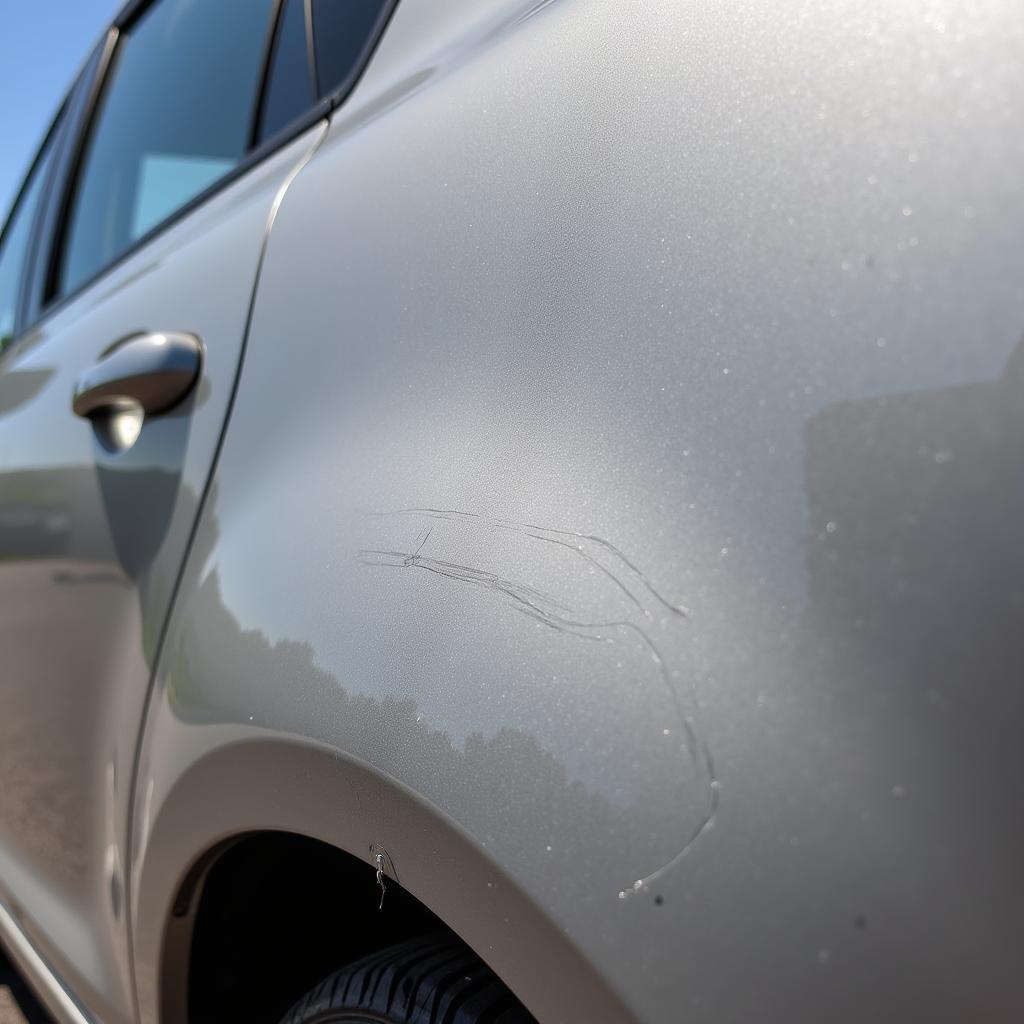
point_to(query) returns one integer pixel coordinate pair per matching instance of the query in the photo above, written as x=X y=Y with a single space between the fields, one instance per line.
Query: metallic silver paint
x=582 y=312
x=737 y=291
x=91 y=543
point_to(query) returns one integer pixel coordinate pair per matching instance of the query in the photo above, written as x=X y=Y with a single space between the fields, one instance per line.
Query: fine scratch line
x=545 y=609
x=453 y=515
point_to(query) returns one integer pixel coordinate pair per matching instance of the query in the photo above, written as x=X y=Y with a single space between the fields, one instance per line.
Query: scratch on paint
x=554 y=614
x=379 y=861
x=384 y=866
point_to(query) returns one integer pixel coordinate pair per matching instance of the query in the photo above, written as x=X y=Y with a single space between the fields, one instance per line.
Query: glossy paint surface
x=625 y=485
x=93 y=531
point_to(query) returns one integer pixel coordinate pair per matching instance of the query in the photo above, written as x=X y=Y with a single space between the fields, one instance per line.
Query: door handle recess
x=151 y=372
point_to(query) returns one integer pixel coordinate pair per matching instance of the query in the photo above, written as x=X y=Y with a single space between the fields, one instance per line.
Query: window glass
x=341 y=31
x=175 y=115
x=15 y=241
x=289 y=91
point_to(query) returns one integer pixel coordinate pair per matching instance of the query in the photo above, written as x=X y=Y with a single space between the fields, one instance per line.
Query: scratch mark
x=545 y=609
x=525 y=596
x=385 y=866
x=453 y=515
x=379 y=860
x=577 y=549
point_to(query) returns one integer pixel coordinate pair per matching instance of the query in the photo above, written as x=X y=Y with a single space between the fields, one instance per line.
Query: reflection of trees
x=79 y=570
x=495 y=785
x=46 y=514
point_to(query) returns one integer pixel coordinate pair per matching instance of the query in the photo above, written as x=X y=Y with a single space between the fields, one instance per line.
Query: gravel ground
x=17 y=1006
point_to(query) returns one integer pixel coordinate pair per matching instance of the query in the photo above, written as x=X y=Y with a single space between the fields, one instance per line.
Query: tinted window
x=342 y=31
x=289 y=89
x=175 y=115
x=14 y=244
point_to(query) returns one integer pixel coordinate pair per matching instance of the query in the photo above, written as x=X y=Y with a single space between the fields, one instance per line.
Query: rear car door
x=127 y=272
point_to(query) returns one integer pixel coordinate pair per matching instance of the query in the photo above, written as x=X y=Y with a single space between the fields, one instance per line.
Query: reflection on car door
x=96 y=510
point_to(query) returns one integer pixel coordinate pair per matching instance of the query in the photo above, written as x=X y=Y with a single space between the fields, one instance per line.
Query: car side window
x=174 y=116
x=14 y=243
x=343 y=32
x=289 y=89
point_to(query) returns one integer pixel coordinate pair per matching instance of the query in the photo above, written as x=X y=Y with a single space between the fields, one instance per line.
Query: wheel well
x=276 y=913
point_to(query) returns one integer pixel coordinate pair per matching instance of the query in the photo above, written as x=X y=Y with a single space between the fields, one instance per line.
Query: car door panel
x=531 y=327
x=91 y=541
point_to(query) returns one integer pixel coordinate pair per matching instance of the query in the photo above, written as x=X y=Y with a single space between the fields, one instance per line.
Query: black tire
x=432 y=980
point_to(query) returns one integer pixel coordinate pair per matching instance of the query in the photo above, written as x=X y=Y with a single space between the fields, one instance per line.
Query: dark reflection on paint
x=20 y=386
x=915 y=557
x=53 y=512
x=906 y=686
x=77 y=548
x=581 y=566
x=915 y=604
x=477 y=782
x=916 y=510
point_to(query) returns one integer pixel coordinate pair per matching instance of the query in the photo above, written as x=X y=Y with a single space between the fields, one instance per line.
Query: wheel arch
x=257 y=785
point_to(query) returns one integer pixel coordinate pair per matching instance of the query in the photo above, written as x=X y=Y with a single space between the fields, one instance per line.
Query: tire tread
x=428 y=980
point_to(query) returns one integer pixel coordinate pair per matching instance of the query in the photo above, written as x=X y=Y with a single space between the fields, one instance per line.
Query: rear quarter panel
x=624 y=496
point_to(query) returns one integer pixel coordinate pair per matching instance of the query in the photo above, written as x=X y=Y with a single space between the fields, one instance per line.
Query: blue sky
x=42 y=45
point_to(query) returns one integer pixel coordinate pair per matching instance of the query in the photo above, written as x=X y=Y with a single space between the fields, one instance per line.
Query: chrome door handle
x=151 y=372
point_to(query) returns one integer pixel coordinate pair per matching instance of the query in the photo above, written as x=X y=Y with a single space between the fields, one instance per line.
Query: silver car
x=514 y=511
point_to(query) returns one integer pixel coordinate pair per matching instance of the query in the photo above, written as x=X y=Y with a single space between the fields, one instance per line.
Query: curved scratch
x=454 y=515
x=545 y=609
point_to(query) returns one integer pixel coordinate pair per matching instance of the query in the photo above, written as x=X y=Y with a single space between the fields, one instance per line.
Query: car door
x=135 y=249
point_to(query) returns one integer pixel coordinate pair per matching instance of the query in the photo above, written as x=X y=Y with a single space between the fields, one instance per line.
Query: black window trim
x=341 y=92
x=23 y=187
x=37 y=298
x=80 y=102
x=314 y=83
x=53 y=134
x=270 y=44
x=56 y=135
x=59 y=133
